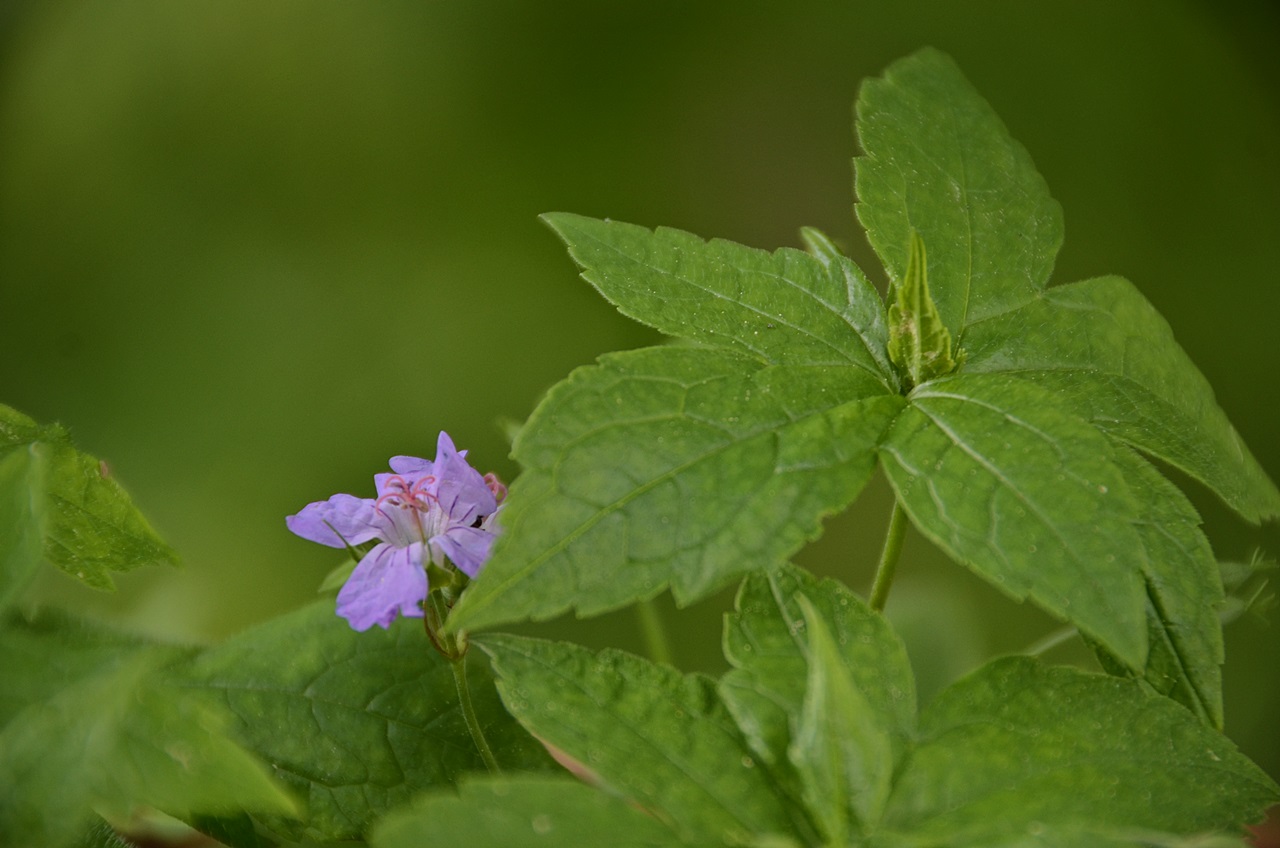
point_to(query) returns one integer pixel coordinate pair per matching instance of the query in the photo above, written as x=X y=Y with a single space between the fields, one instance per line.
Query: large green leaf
x=1002 y=477
x=1018 y=745
x=354 y=723
x=525 y=811
x=22 y=473
x=765 y=641
x=938 y=160
x=657 y=736
x=116 y=737
x=1184 y=595
x=673 y=466
x=1103 y=347
x=787 y=307
x=91 y=527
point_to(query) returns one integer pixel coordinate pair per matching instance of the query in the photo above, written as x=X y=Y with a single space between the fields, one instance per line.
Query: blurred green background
x=249 y=250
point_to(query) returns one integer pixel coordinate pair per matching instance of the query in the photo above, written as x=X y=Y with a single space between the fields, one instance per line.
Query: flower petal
x=410 y=466
x=460 y=490
x=466 y=547
x=389 y=580
x=340 y=521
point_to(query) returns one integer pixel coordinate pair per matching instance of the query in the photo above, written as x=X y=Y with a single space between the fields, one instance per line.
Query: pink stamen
x=498 y=490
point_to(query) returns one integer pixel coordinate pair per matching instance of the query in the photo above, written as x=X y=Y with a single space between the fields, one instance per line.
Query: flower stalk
x=889 y=557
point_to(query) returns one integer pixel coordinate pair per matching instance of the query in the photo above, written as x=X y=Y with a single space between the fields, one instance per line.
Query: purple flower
x=424 y=512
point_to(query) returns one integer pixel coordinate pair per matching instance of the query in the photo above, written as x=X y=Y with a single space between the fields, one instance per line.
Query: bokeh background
x=249 y=250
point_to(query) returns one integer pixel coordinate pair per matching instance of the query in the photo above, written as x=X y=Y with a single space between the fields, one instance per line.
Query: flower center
x=406 y=503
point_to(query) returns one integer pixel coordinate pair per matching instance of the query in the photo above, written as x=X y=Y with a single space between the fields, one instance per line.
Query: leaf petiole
x=889 y=557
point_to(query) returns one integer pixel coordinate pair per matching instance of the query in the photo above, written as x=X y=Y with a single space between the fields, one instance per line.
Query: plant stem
x=889 y=557
x=656 y=644
x=459 y=667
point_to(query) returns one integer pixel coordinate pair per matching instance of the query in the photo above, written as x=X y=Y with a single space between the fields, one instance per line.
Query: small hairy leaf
x=673 y=466
x=524 y=811
x=919 y=343
x=938 y=160
x=998 y=474
x=91 y=528
x=787 y=307
x=354 y=723
x=661 y=738
x=1103 y=347
x=1044 y=747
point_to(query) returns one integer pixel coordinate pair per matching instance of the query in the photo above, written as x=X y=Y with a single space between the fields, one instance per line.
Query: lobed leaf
x=1106 y=350
x=673 y=466
x=354 y=723
x=938 y=160
x=1184 y=596
x=1003 y=478
x=524 y=811
x=91 y=527
x=1048 y=748
x=782 y=308
x=660 y=738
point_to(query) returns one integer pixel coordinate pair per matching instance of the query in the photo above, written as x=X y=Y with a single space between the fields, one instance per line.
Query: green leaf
x=1018 y=745
x=52 y=652
x=786 y=307
x=764 y=642
x=91 y=526
x=673 y=466
x=1000 y=476
x=117 y=739
x=660 y=738
x=919 y=343
x=22 y=473
x=1184 y=595
x=354 y=723
x=1103 y=347
x=526 y=811
x=938 y=160
x=841 y=752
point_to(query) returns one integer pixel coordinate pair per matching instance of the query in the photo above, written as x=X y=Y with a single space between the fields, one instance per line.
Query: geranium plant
x=1023 y=428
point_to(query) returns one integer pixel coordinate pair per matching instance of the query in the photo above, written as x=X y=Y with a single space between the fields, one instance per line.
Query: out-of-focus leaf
x=120 y=738
x=21 y=518
x=91 y=527
x=354 y=723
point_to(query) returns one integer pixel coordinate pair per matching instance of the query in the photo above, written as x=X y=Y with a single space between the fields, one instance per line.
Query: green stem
x=459 y=667
x=656 y=644
x=889 y=557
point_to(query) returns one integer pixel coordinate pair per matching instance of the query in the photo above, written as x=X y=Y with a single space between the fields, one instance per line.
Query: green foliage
x=919 y=343
x=1017 y=753
x=524 y=812
x=352 y=723
x=108 y=732
x=22 y=510
x=90 y=526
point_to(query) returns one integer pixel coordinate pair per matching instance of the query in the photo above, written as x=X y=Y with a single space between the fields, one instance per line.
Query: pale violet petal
x=387 y=582
x=340 y=521
x=466 y=547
